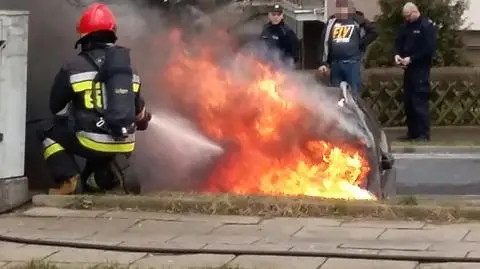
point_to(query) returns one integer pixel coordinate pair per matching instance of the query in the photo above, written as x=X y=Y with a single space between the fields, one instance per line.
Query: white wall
x=472 y=16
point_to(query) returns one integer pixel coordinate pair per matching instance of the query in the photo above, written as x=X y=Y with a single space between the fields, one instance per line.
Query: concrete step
x=438 y=173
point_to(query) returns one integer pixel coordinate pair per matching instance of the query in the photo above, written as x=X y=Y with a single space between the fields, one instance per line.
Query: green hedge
x=455 y=98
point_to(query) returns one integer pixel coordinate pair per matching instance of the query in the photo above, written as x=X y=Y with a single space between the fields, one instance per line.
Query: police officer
x=84 y=125
x=279 y=37
x=415 y=48
x=344 y=41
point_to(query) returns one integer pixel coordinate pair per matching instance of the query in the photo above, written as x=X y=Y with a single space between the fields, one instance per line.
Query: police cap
x=275 y=8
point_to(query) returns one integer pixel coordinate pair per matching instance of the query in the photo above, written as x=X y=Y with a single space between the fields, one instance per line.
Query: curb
x=436 y=149
x=441 y=208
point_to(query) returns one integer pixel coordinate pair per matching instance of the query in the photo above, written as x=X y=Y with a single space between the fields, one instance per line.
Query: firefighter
x=97 y=107
x=279 y=37
x=343 y=44
x=415 y=47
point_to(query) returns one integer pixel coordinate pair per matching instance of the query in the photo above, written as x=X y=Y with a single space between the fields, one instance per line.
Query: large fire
x=270 y=150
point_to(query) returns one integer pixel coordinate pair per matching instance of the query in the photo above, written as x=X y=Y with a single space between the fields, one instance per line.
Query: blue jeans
x=348 y=71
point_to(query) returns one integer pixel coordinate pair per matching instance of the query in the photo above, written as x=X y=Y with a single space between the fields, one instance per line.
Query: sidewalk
x=403 y=239
x=448 y=135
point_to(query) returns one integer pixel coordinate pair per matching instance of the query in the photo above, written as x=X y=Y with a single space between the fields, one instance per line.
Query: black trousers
x=60 y=146
x=416 y=83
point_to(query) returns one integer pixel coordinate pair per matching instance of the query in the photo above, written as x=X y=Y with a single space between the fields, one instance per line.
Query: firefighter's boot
x=71 y=186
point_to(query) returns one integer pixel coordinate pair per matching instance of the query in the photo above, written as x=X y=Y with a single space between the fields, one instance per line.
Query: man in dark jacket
x=343 y=44
x=280 y=38
x=415 y=47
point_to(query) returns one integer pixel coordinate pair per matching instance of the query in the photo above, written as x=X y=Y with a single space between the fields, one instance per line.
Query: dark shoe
x=91 y=185
x=421 y=140
x=405 y=138
x=72 y=186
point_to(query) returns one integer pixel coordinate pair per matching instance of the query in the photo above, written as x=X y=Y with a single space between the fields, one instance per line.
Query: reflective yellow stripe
x=106 y=147
x=105 y=138
x=84 y=86
x=136 y=87
x=83 y=81
x=52 y=149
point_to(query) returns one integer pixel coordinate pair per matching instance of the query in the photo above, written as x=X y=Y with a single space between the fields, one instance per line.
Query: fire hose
x=186 y=251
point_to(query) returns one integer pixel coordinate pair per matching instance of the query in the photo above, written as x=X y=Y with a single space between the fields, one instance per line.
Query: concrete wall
x=49 y=44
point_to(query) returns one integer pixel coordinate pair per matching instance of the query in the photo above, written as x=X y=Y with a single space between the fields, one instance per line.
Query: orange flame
x=272 y=152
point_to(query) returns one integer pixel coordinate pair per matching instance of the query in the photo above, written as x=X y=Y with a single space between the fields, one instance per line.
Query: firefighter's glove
x=142 y=122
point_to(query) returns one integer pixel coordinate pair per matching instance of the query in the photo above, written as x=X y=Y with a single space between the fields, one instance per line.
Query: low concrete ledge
x=435 y=149
x=13 y=193
x=439 y=208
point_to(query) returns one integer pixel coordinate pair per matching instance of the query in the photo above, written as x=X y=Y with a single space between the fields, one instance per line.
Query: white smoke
x=172 y=153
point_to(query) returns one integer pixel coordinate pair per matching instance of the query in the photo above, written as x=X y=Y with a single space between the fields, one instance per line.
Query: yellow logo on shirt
x=342 y=33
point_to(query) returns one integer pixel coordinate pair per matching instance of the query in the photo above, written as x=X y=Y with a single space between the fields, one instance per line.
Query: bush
x=446 y=14
x=455 y=96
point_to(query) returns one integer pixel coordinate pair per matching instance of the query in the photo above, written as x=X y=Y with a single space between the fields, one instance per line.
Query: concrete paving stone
x=9 y=223
x=384 y=224
x=183 y=261
x=383 y=244
x=14 y=265
x=130 y=237
x=163 y=245
x=100 y=225
x=334 y=263
x=219 y=239
x=337 y=233
x=66 y=265
x=10 y=245
x=221 y=219
x=44 y=234
x=95 y=241
x=434 y=235
x=448 y=265
x=17 y=265
x=465 y=246
x=72 y=255
x=283 y=221
x=474 y=254
x=26 y=253
x=329 y=248
x=258 y=230
x=173 y=227
x=472 y=236
x=61 y=212
x=141 y=215
x=249 y=247
x=466 y=225
x=276 y=262
x=443 y=254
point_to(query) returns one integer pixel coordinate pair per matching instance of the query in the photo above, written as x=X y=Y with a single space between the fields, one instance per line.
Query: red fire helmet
x=97 y=17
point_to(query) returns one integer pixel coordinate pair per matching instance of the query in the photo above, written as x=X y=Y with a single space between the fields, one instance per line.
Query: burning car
x=381 y=179
x=281 y=133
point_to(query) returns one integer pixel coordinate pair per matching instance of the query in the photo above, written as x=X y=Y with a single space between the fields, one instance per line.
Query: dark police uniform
x=76 y=129
x=281 y=38
x=343 y=44
x=417 y=40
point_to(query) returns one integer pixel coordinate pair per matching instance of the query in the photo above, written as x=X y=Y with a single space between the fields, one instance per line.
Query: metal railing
x=300 y=10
